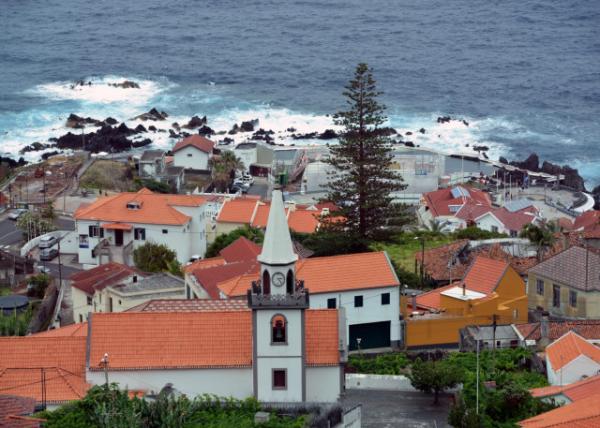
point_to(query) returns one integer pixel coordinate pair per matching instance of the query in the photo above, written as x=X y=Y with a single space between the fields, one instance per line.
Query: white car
x=47 y=242
x=16 y=214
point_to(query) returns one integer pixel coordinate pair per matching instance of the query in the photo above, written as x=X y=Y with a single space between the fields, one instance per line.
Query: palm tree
x=542 y=236
x=224 y=167
x=435 y=226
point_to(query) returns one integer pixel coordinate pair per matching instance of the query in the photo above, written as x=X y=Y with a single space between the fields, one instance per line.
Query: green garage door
x=372 y=335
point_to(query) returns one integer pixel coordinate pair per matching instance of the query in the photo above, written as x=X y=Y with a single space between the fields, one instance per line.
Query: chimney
x=464 y=288
x=544 y=333
x=414 y=301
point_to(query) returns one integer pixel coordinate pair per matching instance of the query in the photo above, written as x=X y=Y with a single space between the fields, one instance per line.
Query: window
x=358 y=301
x=80 y=318
x=133 y=205
x=331 y=303
x=289 y=284
x=539 y=285
x=385 y=299
x=515 y=314
x=279 y=379
x=95 y=231
x=189 y=155
x=139 y=234
x=556 y=296
x=573 y=298
x=279 y=330
x=165 y=231
x=187 y=292
x=110 y=304
x=495 y=229
x=266 y=283
x=83 y=241
x=89 y=300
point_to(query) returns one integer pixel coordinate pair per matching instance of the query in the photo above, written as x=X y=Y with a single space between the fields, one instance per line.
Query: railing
x=298 y=299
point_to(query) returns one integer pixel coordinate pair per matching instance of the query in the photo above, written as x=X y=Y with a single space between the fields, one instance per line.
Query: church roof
x=277 y=246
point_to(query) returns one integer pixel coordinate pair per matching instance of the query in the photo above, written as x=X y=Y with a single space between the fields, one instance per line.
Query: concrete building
x=570 y=359
x=567 y=284
x=193 y=152
x=112 y=227
x=153 y=165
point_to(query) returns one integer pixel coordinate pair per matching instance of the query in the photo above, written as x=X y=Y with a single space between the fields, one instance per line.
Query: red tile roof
x=443 y=263
x=515 y=221
x=191 y=305
x=103 y=276
x=240 y=250
x=570 y=346
x=303 y=221
x=432 y=299
x=204 y=263
x=73 y=330
x=12 y=407
x=588 y=329
x=197 y=141
x=62 y=358
x=587 y=219
x=439 y=201
x=154 y=340
x=154 y=208
x=209 y=278
x=574 y=391
x=330 y=274
x=584 y=413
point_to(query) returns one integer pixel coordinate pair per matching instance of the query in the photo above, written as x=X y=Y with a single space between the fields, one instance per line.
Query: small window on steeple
x=279 y=330
x=290 y=282
x=266 y=283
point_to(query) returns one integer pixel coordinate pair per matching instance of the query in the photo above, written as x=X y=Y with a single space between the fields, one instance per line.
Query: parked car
x=16 y=214
x=241 y=183
x=235 y=188
x=48 y=254
x=43 y=269
x=47 y=242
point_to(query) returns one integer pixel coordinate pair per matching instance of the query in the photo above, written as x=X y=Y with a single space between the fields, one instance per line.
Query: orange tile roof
x=570 y=346
x=204 y=263
x=439 y=201
x=11 y=409
x=432 y=299
x=588 y=329
x=331 y=274
x=62 y=358
x=190 y=305
x=73 y=330
x=574 y=391
x=484 y=274
x=197 y=141
x=587 y=219
x=303 y=221
x=584 y=413
x=166 y=340
x=238 y=210
x=155 y=208
x=262 y=215
x=209 y=278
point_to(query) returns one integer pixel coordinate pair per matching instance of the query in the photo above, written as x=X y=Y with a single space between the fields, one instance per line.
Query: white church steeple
x=277 y=246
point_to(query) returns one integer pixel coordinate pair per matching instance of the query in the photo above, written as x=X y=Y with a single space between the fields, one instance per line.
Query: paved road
x=392 y=409
x=9 y=234
x=260 y=187
x=64 y=223
x=66 y=271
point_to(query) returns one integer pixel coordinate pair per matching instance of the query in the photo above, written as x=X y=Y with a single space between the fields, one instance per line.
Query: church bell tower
x=278 y=302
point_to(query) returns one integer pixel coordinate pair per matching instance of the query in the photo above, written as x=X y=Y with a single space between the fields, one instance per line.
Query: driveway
x=393 y=409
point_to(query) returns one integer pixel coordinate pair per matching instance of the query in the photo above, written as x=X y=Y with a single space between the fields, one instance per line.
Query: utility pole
x=477 y=382
x=104 y=364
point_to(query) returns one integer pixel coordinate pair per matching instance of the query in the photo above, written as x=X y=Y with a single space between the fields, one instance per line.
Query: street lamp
x=422 y=239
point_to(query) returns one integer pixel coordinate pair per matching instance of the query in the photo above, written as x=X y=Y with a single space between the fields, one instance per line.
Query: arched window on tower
x=279 y=329
x=289 y=286
x=266 y=283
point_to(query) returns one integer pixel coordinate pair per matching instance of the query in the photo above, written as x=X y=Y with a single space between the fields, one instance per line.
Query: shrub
x=474 y=233
x=38 y=285
x=152 y=257
x=392 y=363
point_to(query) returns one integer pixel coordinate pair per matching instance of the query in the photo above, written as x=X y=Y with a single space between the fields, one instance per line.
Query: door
x=118 y=238
x=371 y=335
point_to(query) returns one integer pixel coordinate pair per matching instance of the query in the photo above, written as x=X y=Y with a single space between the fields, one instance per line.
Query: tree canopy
x=152 y=257
x=221 y=241
x=362 y=179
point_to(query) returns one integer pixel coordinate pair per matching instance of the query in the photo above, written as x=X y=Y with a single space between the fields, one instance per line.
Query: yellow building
x=490 y=291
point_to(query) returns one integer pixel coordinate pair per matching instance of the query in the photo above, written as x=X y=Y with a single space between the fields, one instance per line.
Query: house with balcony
x=112 y=227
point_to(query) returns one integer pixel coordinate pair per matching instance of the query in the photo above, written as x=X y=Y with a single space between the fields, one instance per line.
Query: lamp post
x=422 y=239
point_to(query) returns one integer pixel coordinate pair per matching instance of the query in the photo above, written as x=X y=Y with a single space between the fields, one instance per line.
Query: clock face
x=278 y=279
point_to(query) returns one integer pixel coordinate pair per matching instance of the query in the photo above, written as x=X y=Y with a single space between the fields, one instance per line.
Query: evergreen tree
x=362 y=179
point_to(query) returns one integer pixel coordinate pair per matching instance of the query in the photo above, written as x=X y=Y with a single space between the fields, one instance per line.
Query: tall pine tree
x=362 y=179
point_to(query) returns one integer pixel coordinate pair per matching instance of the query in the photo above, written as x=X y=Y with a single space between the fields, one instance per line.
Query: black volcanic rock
x=248 y=126
x=502 y=159
x=140 y=128
x=532 y=163
x=206 y=131
x=572 y=178
x=34 y=147
x=195 y=122
x=328 y=134
x=152 y=128
x=422 y=130
x=125 y=84
x=110 y=121
x=153 y=114
x=78 y=122
x=106 y=139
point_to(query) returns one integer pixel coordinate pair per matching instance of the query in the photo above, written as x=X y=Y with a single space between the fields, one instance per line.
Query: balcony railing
x=299 y=298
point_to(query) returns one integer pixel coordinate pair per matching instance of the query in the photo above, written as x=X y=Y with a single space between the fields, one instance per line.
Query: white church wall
x=323 y=384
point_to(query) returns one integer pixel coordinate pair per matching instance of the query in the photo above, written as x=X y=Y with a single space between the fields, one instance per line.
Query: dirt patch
x=108 y=175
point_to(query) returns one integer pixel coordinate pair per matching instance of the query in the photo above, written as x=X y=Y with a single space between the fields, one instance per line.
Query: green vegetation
x=362 y=178
x=326 y=242
x=475 y=233
x=108 y=407
x=435 y=376
x=392 y=363
x=33 y=225
x=153 y=185
x=252 y=233
x=15 y=324
x=541 y=236
x=152 y=257
x=37 y=285
x=224 y=168
x=108 y=175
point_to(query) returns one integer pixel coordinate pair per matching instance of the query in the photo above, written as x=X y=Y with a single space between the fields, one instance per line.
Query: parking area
x=394 y=409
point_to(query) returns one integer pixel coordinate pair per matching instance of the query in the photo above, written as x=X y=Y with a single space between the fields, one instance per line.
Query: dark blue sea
x=525 y=74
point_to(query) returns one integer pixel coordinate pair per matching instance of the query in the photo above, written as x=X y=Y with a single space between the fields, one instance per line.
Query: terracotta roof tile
x=484 y=274
x=570 y=266
x=240 y=250
x=190 y=305
x=261 y=215
x=515 y=221
x=197 y=141
x=584 y=413
x=432 y=299
x=209 y=278
x=588 y=329
x=330 y=274
x=73 y=330
x=155 y=208
x=570 y=346
x=240 y=210
x=443 y=263
x=165 y=340
x=13 y=405
x=62 y=358
x=439 y=201
x=303 y=221
x=587 y=219
x=100 y=277
x=204 y=263
x=574 y=391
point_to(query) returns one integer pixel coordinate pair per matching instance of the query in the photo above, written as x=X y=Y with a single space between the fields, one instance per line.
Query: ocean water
x=525 y=74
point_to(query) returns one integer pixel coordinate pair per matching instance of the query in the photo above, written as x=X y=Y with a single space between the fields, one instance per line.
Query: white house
x=112 y=227
x=363 y=285
x=570 y=359
x=193 y=152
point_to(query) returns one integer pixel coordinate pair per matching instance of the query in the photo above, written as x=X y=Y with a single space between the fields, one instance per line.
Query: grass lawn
x=404 y=253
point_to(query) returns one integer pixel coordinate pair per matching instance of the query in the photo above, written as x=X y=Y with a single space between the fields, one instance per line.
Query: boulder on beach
x=206 y=131
x=152 y=114
x=78 y=122
x=34 y=147
x=248 y=126
x=106 y=139
x=110 y=121
x=328 y=134
x=195 y=122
